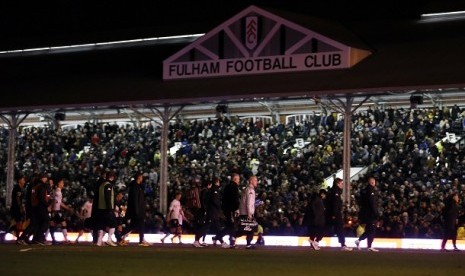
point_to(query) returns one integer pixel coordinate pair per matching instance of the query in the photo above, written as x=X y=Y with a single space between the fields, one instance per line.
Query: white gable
x=256 y=41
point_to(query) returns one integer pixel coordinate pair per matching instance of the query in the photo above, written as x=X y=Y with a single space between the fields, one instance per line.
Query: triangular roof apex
x=243 y=13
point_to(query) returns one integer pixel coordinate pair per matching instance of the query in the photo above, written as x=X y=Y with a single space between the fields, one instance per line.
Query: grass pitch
x=187 y=260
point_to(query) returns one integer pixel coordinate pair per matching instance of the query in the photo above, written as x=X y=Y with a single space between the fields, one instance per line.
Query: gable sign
x=256 y=42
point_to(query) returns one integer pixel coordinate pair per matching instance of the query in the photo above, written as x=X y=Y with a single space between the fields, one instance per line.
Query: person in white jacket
x=247 y=207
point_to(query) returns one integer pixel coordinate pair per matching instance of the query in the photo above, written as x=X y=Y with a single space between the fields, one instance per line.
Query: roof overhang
x=406 y=56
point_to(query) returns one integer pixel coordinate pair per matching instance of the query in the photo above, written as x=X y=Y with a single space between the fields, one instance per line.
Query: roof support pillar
x=346 y=155
x=346 y=108
x=13 y=121
x=165 y=115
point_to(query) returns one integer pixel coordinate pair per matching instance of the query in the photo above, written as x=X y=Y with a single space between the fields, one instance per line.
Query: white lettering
x=318 y=61
x=242 y=66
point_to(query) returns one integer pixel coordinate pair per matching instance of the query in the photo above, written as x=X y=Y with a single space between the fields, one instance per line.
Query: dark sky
x=45 y=23
x=106 y=73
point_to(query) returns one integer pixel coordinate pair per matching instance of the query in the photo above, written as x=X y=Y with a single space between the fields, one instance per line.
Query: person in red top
x=95 y=139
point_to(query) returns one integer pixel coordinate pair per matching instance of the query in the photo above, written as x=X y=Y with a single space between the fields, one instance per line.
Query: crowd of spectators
x=402 y=148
